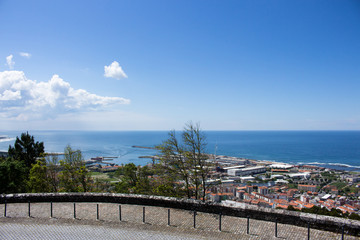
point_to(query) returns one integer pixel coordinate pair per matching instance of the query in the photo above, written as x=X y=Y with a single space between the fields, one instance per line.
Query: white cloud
x=114 y=70
x=25 y=54
x=10 y=95
x=21 y=98
x=10 y=62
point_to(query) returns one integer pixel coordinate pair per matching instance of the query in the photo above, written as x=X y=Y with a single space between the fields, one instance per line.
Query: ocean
x=333 y=149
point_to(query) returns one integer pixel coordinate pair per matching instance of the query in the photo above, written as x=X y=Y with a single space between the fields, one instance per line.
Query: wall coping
x=321 y=222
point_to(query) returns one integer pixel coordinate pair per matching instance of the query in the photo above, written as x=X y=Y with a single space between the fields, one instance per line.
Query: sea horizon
x=339 y=149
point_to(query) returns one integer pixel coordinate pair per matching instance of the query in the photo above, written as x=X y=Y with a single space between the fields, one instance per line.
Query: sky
x=156 y=65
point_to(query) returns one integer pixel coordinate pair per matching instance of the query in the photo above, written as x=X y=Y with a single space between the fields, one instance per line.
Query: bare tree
x=187 y=159
x=195 y=142
x=174 y=162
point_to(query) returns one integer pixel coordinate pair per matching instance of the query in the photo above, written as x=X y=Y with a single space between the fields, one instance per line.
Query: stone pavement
x=17 y=224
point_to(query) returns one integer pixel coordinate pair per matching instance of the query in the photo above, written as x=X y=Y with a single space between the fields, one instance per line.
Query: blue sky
x=155 y=65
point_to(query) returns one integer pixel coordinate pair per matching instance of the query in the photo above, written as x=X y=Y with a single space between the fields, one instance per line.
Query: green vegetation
x=292 y=185
x=328 y=176
x=27 y=169
x=339 y=185
x=38 y=179
x=185 y=159
x=12 y=176
x=15 y=170
x=323 y=211
x=101 y=176
x=73 y=177
x=26 y=150
x=181 y=171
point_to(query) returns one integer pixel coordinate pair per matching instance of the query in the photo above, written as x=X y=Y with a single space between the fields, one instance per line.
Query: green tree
x=26 y=149
x=13 y=174
x=74 y=177
x=53 y=172
x=291 y=208
x=354 y=216
x=38 y=177
x=166 y=186
x=134 y=180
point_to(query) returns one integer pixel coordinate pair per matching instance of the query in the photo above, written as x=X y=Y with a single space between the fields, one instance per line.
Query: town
x=234 y=181
x=237 y=181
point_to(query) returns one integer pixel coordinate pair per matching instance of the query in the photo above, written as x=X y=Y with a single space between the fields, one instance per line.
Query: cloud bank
x=114 y=70
x=24 y=99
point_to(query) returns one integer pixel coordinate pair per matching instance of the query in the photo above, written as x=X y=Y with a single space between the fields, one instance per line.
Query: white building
x=246 y=171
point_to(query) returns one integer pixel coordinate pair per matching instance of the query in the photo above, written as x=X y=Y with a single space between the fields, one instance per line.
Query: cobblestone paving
x=86 y=226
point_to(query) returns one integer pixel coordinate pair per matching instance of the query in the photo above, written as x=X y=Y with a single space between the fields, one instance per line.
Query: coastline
x=331 y=149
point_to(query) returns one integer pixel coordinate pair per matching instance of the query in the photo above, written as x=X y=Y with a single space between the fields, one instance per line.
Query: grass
x=102 y=176
x=339 y=185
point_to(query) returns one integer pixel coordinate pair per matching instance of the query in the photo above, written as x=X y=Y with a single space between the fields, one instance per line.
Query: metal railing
x=169 y=220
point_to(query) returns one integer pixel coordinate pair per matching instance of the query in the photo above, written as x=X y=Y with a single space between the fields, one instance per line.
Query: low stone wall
x=327 y=223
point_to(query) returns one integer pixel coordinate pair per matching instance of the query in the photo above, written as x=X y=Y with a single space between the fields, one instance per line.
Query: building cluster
x=270 y=185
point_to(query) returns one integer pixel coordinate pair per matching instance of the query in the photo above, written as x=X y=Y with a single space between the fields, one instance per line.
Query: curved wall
x=351 y=227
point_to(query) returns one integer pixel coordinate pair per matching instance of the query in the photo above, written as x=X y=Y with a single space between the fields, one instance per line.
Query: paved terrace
x=105 y=223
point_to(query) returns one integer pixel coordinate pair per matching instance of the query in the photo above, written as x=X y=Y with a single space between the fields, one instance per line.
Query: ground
x=17 y=224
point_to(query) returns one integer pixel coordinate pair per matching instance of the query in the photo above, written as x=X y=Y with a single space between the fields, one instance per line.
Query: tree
x=38 y=177
x=174 y=163
x=187 y=159
x=195 y=141
x=13 y=174
x=354 y=216
x=53 y=172
x=134 y=180
x=26 y=149
x=74 y=177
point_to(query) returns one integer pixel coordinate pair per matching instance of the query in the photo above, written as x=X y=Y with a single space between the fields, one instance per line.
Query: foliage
x=74 y=177
x=101 y=185
x=38 y=178
x=292 y=185
x=322 y=211
x=291 y=208
x=354 y=216
x=52 y=172
x=328 y=176
x=13 y=174
x=14 y=170
x=195 y=145
x=174 y=163
x=134 y=180
x=186 y=160
x=26 y=149
x=339 y=185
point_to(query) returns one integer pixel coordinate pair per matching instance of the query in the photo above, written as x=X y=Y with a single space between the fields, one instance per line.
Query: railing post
x=169 y=217
x=143 y=214
x=74 y=210
x=194 y=219
x=220 y=222
x=120 y=212
x=97 y=211
x=51 y=209
x=308 y=237
x=276 y=232
x=342 y=232
x=29 y=213
x=5 y=208
x=248 y=225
